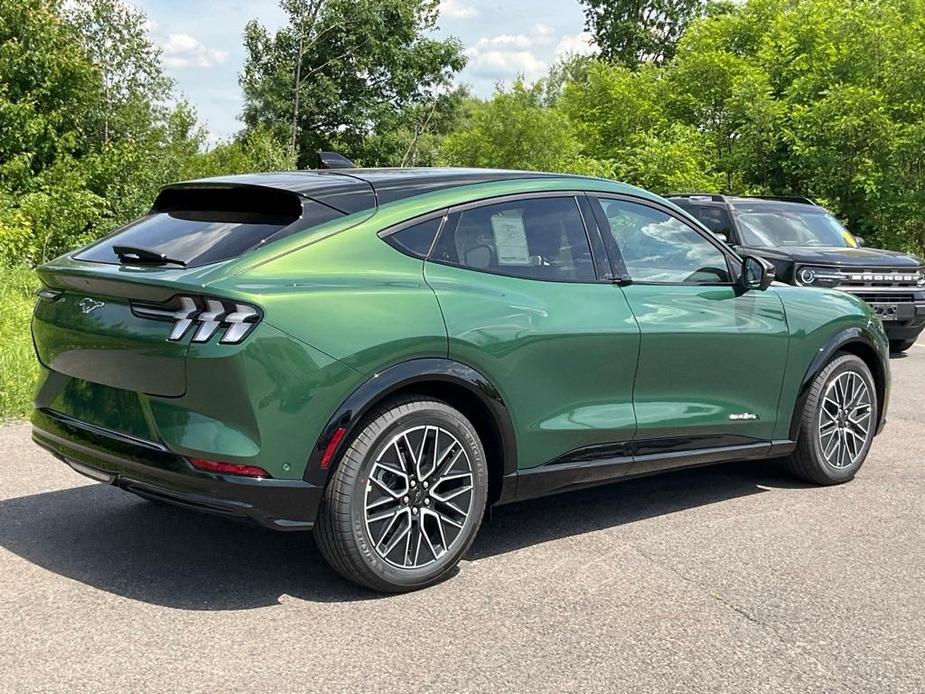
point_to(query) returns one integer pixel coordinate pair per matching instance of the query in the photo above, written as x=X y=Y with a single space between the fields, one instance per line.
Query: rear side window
x=716 y=219
x=540 y=238
x=416 y=239
x=201 y=226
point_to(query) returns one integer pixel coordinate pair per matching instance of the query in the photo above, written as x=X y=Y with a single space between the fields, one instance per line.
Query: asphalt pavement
x=733 y=578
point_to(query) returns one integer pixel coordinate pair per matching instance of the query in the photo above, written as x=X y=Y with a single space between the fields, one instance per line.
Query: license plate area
x=886 y=312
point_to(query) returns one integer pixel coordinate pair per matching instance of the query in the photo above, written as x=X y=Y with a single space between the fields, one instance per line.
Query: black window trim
x=441 y=214
x=733 y=261
x=513 y=197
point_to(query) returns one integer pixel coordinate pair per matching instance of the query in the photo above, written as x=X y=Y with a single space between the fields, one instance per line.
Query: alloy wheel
x=419 y=496
x=845 y=420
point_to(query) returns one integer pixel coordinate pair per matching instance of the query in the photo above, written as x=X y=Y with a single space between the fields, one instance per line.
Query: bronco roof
x=352 y=190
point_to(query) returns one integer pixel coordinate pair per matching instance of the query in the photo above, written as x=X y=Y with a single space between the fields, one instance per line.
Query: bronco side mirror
x=757 y=273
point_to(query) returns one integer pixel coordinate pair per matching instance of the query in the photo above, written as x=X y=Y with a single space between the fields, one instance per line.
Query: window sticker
x=510 y=238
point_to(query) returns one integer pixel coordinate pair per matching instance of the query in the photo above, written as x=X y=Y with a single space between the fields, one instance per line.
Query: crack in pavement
x=766 y=628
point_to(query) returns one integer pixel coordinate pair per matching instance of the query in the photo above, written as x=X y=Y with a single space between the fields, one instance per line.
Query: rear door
x=525 y=305
x=711 y=357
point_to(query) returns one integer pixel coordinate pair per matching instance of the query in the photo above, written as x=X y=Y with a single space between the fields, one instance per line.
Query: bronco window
x=657 y=247
x=538 y=238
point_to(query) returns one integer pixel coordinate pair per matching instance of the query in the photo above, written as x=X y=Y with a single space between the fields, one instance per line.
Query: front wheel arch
x=855 y=341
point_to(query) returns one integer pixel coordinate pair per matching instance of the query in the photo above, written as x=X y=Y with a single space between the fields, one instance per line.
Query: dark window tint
x=416 y=239
x=202 y=226
x=541 y=238
x=716 y=219
x=656 y=247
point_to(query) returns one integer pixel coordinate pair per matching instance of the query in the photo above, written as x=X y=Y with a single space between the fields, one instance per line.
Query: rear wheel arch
x=446 y=380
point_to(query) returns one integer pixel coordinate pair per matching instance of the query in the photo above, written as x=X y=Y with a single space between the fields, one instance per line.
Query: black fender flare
x=399 y=376
x=837 y=342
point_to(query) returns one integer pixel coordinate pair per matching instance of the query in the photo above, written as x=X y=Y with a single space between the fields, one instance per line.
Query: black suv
x=809 y=247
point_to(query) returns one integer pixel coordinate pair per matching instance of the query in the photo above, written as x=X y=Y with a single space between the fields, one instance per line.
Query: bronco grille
x=879 y=278
x=890 y=298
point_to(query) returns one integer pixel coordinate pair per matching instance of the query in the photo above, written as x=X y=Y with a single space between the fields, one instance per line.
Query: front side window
x=539 y=238
x=657 y=247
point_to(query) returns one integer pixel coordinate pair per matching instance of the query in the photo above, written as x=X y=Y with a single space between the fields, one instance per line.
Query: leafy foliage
x=630 y=32
x=18 y=369
x=813 y=97
x=90 y=128
x=341 y=70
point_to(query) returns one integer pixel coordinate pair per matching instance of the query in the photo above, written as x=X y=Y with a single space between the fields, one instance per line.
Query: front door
x=711 y=356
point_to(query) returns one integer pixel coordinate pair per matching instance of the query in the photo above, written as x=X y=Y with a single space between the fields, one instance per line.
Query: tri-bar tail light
x=207 y=315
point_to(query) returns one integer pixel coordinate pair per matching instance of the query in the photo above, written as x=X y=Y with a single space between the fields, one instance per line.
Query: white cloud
x=183 y=50
x=500 y=65
x=502 y=42
x=454 y=9
x=575 y=44
x=505 y=56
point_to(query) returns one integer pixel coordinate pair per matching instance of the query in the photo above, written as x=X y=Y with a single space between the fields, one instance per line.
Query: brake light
x=228 y=468
x=208 y=314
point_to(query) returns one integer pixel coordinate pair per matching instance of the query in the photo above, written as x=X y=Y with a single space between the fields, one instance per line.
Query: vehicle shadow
x=110 y=540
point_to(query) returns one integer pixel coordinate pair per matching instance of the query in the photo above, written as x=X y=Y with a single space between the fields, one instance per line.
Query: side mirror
x=757 y=273
x=860 y=240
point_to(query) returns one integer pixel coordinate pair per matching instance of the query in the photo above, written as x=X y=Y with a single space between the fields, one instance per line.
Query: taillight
x=209 y=315
x=228 y=468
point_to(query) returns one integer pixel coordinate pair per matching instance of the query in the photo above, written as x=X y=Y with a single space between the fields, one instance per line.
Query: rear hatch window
x=197 y=226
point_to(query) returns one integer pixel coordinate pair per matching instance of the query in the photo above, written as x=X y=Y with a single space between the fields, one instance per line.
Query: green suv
x=382 y=354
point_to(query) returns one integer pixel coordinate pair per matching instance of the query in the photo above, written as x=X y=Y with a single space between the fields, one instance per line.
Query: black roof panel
x=352 y=190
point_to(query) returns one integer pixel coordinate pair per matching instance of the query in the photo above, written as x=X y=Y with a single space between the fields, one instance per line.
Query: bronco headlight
x=921 y=274
x=207 y=314
x=812 y=276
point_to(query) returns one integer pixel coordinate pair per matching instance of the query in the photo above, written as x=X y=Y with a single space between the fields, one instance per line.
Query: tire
x=834 y=452
x=897 y=346
x=384 y=522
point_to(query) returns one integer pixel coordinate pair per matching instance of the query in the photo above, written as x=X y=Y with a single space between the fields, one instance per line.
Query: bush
x=18 y=366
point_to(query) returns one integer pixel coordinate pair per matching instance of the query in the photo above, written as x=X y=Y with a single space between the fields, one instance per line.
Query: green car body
x=567 y=383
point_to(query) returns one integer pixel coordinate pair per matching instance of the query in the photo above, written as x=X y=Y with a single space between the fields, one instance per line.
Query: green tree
x=341 y=69
x=515 y=130
x=631 y=32
x=47 y=90
x=115 y=38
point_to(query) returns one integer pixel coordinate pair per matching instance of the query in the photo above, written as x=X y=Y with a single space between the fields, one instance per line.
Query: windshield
x=813 y=227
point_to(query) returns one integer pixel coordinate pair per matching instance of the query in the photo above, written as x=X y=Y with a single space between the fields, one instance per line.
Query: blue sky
x=201 y=44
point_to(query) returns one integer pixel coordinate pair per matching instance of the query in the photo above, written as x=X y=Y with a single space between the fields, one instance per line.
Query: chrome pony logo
x=88 y=305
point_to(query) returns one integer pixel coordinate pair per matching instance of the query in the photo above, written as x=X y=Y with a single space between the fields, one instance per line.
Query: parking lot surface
x=726 y=579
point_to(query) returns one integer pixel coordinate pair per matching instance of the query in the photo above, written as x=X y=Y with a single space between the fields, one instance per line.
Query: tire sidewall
x=425 y=412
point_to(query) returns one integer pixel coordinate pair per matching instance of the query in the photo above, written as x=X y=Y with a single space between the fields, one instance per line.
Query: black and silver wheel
x=837 y=424
x=407 y=499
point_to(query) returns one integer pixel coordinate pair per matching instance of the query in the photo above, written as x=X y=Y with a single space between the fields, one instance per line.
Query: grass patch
x=18 y=368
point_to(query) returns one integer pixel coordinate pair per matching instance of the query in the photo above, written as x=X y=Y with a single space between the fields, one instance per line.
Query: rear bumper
x=150 y=470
